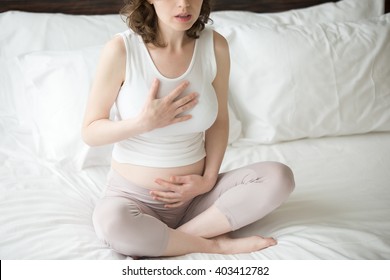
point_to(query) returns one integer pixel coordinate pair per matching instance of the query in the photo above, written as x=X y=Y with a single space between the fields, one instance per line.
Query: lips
x=183 y=17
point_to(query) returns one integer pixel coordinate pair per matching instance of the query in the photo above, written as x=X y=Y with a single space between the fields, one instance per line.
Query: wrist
x=210 y=180
x=135 y=126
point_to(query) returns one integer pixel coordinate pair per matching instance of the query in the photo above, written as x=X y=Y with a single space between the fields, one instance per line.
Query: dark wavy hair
x=142 y=19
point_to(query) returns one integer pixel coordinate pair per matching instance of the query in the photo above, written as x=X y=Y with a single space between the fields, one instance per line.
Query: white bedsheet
x=339 y=210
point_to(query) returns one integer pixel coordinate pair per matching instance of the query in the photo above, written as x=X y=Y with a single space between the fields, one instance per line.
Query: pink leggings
x=129 y=221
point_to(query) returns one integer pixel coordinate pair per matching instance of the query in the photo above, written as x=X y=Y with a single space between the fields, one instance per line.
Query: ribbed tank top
x=175 y=145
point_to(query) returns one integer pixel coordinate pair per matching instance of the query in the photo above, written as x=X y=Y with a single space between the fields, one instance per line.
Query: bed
x=309 y=87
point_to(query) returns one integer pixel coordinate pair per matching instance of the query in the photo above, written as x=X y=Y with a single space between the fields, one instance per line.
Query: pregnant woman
x=168 y=77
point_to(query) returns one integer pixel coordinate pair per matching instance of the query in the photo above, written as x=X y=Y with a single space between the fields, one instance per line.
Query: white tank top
x=178 y=144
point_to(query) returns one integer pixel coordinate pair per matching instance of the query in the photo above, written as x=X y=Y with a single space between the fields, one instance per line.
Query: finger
x=154 y=89
x=186 y=107
x=178 y=119
x=165 y=195
x=170 y=186
x=167 y=200
x=192 y=97
x=177 y=91
x=173 y=205
x=179 y=179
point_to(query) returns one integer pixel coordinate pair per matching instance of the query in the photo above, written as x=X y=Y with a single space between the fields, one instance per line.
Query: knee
x=283 y=178
x=123 y=228
x=277 y=175
x=114 y=227
x=107 y=222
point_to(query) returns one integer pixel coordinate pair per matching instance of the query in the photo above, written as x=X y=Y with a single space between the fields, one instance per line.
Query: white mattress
x=339 y=210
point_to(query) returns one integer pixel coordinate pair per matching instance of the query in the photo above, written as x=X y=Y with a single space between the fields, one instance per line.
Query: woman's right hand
x=160 y=112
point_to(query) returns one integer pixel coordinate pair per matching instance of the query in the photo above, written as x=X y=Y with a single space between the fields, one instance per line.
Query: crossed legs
x=239 y=198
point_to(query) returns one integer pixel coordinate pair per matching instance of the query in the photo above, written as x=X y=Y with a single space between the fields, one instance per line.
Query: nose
x=183 y=3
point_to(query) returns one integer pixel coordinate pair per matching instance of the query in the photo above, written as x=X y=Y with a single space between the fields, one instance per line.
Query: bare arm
x=97 y=129
x=216 y=137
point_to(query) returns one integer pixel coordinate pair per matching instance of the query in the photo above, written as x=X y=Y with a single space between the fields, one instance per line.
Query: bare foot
x=243 y=245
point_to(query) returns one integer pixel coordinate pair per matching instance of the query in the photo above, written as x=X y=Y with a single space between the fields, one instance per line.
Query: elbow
x=87 y=138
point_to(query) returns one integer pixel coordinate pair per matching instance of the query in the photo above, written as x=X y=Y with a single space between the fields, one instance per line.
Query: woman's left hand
x=180 y=189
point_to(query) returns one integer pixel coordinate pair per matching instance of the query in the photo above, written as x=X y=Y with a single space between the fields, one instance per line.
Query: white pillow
x=57 y=87
x=328 y=12
x=346 y=10
x=290 y=82
x=24 y=32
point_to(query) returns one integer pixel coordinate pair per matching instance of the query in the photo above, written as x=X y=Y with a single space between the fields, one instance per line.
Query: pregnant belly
x=144 y=176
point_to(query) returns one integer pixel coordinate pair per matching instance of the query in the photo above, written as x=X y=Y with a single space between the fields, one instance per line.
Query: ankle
x=220 y=244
